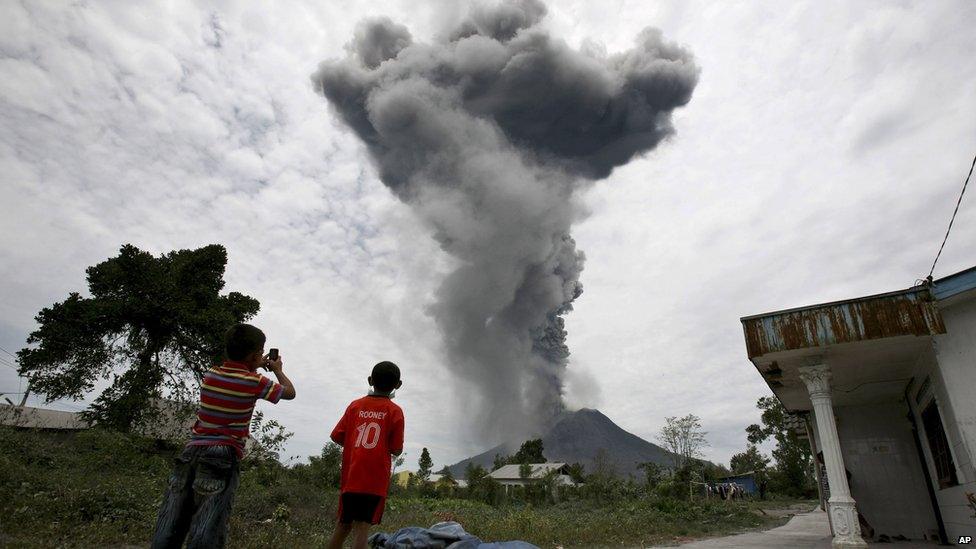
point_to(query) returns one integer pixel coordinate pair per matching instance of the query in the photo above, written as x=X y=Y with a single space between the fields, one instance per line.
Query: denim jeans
x=198 y=500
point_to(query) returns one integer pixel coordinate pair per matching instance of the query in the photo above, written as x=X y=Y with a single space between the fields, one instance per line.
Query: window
x=939 y=446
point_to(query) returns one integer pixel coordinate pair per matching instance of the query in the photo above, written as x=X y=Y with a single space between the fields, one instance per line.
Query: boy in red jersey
x=202 y=486
x=370 y=432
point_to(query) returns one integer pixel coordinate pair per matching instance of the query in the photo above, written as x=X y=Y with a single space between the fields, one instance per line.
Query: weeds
x=99 y=488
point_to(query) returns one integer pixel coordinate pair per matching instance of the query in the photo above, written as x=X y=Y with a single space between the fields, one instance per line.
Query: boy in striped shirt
x=205 y=477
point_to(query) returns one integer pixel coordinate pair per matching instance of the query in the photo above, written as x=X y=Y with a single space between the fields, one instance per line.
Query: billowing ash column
x=487 y=135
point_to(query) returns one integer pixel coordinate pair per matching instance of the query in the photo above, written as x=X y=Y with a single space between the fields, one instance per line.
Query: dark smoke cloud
x=487 y=135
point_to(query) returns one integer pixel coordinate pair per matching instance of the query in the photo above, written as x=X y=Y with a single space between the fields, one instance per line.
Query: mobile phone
x=273 y=354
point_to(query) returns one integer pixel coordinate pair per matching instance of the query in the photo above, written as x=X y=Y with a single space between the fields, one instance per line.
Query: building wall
x=952 y=384
x=40 y=418
x=887 y=480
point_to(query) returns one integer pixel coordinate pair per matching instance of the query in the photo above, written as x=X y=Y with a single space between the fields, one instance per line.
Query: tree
x=577 y=472
x=395 y=486
x=424 y=465
x=262 y=460
x=446 y=475
x=749 y=461
x=547 y=489
x=602 y=484
x=474 y=473
x=752 y=461
x=153 y=325
x=476 y=477
x=792 y=475
x=481 y=486
x=653 y=473
x=325 y=469
x=269 y=437
x=529 y=452
x=684 y=438
x=397 y=462
x=712 y=471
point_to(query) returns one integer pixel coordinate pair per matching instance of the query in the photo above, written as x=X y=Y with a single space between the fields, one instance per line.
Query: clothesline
x=726 y=490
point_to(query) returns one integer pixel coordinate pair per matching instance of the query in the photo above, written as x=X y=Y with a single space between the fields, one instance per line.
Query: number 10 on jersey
x=368 y=435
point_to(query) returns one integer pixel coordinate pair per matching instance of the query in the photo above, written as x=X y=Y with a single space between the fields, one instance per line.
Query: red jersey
x=369 y=431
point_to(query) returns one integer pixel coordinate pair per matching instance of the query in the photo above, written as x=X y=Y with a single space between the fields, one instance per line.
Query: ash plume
x=487 y=134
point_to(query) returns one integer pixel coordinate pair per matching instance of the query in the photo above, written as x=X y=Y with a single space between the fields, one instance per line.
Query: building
x=402 y=479
x=886 y=385
x=171 y=420
x=747 y=481
x=28 y=417
x=510 y=475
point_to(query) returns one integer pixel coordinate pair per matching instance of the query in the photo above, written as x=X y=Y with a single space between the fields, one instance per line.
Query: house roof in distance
x=511 y=472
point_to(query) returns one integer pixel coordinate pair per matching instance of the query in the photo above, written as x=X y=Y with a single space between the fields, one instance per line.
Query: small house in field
x=441 y=480
x=403 y=478
x=885 y=387
x=746 y=480
x=171 y=420
x=510 y=475
x=28 y=417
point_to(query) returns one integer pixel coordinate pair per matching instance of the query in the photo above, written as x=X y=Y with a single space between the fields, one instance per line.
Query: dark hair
x=385 y=376
x=242 y=340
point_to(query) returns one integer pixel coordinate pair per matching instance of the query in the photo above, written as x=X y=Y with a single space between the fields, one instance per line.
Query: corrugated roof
x=908 y=312
x=512 y=471
x=954 y=284
x=904 y=312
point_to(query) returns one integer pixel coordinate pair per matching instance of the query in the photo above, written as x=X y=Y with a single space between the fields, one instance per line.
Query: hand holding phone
x=272 y=359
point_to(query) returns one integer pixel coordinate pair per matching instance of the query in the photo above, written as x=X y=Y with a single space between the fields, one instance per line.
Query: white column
x=843 y=512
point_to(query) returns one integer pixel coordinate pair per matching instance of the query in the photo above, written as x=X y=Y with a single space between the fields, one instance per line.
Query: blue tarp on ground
x=443 y=535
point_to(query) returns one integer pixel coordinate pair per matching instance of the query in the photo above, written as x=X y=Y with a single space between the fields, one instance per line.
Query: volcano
x=579 y=437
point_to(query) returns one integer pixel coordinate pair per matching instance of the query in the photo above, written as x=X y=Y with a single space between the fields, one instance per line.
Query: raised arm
x=288 y=389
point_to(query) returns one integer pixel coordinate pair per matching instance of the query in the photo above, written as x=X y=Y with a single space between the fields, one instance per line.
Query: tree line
x=152 y=325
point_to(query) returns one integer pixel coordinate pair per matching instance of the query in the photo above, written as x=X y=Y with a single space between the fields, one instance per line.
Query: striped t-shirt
x=227 y=396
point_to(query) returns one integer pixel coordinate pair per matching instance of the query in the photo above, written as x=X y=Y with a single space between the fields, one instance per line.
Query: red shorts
x=354 y=507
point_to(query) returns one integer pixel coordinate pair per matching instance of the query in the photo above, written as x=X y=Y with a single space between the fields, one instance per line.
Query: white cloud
x=819 y=159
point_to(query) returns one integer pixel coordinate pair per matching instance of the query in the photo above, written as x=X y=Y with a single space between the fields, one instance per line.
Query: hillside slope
x=581 y=436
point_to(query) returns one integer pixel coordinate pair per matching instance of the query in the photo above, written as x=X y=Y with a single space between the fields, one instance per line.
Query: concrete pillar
x=843 y=512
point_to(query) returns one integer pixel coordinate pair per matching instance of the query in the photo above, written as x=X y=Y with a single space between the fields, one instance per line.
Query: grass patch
x=102 y=489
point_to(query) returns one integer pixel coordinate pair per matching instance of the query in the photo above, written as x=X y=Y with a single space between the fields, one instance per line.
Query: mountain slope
x=580 y=436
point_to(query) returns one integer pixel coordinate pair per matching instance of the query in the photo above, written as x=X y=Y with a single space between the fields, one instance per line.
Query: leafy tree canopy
x=684 y=438
x=750 y=460
x=792 y=454
x=153 y=325
x=529 y=452
x=654 y=473
x=474 y=473
x=447 y=476
x=577 y=472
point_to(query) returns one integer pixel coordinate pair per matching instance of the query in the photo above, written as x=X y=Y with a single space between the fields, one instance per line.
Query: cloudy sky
x=819 y=159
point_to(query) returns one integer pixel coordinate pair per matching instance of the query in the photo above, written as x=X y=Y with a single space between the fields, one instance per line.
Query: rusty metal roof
x=908 y=312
